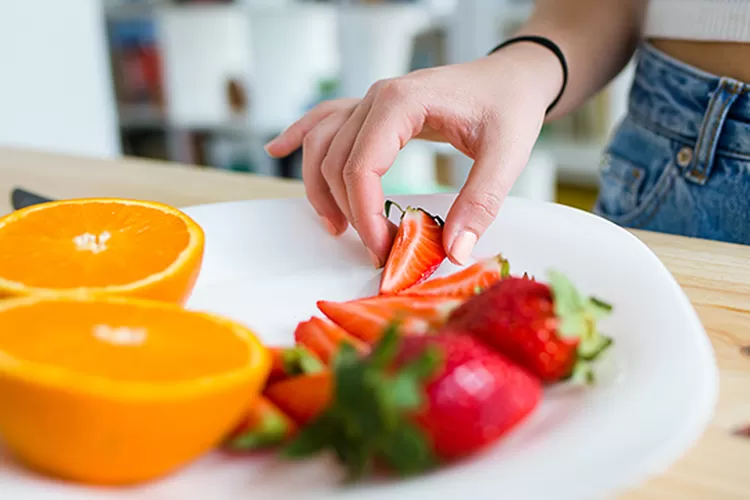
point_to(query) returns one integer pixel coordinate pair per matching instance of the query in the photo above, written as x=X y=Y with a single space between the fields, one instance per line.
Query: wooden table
x=715 y=276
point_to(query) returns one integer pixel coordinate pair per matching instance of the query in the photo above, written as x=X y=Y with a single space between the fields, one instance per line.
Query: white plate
x=266 y=264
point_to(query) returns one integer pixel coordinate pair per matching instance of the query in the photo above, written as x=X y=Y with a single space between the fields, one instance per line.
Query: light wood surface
x=715 y=276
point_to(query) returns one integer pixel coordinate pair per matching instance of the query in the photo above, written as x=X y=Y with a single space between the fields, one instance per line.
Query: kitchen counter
x=715 y=276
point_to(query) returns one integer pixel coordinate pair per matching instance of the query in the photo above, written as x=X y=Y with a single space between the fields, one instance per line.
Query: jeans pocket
x=620 y=187
x=630 y=195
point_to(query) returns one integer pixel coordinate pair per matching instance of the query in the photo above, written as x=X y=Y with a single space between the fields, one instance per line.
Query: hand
x=491 y=110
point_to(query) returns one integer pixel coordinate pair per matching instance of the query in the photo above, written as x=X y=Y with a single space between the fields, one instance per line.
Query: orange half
x=120 y=390
x=100 y=246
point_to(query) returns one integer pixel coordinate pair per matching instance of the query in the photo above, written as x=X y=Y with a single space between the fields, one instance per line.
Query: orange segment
x=96 y=246
x=119 y=390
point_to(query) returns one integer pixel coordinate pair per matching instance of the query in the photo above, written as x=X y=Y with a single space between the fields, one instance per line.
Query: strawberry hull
x=263 y=426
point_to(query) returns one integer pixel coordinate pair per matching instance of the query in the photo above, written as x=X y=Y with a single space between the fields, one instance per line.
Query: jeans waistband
x=675 y=97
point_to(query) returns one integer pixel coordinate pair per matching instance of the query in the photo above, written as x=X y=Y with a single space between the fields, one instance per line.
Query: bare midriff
x=718 y=58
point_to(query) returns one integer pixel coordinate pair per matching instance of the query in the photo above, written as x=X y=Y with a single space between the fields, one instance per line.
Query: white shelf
x=577 y=162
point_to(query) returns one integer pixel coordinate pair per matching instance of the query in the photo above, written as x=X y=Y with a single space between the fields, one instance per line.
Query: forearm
x=597 y=37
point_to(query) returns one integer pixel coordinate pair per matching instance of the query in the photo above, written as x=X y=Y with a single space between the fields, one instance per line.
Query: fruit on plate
x=464 y=283
x=550 y=329
x=302 y=397
x=417 y=249
x=418 y=402
x=292 y=361
x=323 y=337
x=100 y=246
x=263 y=426
x=115 y=390
x=368 y=318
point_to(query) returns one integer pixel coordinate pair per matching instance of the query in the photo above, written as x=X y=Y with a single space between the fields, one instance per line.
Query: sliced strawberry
x=368 y=318
x=417 y=250
x=292 y=361
x=262 y=426
x=302 y=397
x=324 y=338
x=465 y=283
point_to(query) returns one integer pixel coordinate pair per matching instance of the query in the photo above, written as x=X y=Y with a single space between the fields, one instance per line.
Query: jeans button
x=684 y=156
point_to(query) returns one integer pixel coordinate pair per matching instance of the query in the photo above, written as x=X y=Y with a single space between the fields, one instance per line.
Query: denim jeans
x=680 y=160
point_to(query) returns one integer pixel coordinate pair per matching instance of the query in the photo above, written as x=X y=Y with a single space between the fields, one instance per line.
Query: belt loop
x=713 y=121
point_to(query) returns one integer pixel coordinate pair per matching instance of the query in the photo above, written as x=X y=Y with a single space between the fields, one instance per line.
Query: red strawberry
x=416 y=402
x=368 y=318
x=262 y=426
x=549 y=329
x=302 y=398
x=324 y=338
x=417 y=250
x=465 y=283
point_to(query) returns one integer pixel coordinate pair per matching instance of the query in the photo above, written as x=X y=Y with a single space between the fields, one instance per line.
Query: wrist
x=537 y=67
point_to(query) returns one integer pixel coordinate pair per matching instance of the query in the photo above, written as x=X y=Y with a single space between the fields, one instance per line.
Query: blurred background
x=209 y=82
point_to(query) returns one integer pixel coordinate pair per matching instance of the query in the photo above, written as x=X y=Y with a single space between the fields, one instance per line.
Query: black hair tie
x=544 y=42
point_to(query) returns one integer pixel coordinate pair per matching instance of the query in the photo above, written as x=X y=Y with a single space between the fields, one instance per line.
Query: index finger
x=385 y=131
x=291 y=138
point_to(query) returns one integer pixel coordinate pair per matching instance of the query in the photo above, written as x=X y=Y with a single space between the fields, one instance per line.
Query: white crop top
x=710 y=20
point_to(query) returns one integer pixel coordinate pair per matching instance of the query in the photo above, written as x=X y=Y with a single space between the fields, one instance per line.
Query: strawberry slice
x=324 y=338
x=417 y=249
x=465 y=283
x=302 y=397
x=368 y=318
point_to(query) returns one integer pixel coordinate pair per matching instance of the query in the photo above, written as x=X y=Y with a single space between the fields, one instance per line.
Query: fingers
x=495 y=169
x=386 y=129
x=332 y=166
x=315 y=147
x=292 y=138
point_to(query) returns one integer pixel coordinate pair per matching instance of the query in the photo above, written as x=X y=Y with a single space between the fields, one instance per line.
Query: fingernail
x=374 y=259
x=270 y=144
x=462 y=246
x=329 y=226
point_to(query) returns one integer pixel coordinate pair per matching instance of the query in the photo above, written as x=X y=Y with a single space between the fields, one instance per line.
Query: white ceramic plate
x=266 y=264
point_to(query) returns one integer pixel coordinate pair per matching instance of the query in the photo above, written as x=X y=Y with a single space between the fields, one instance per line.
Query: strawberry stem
x=368 y=421
x=391 y=203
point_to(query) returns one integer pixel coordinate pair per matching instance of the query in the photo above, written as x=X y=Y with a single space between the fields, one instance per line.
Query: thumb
x=495 y=170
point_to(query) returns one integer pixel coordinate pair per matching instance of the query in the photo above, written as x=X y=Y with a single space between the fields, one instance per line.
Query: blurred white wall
x=202 y=48
x=55 y=82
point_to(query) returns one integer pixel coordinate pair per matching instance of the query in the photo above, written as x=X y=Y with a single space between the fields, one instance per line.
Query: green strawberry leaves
x=299 y=361
x=578 y=317
x=271 y=431
x=368 y=421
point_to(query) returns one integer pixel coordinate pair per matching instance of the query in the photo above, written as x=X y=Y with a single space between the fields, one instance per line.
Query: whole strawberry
x=549 y=329
x=417 y=402
x=475 y=397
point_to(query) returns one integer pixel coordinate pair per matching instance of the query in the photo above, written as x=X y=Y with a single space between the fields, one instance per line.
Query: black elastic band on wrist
x=544 y=42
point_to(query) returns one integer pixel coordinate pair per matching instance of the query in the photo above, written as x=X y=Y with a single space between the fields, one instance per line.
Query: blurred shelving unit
x=211 y=81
